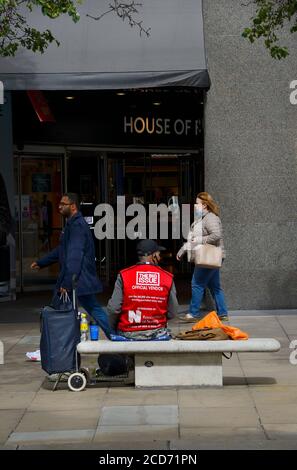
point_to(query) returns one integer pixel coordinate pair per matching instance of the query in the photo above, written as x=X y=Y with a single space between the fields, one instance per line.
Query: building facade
x=242 y=147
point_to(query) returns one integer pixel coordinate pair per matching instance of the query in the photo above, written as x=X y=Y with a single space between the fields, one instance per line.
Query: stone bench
x=178 y=363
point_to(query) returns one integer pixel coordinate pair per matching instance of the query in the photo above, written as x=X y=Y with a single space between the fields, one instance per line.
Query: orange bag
x=211 y=320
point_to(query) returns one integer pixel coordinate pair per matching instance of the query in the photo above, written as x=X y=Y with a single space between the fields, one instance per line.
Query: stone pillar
x=251 y=159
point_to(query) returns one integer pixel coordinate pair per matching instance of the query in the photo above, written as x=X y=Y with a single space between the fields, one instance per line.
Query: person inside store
x=206 y=228
x=144 y=297
x=76 y=255
x=6 y=232
x=46 y=211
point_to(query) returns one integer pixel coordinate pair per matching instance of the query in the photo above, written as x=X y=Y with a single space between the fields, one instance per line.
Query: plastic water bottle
x=84 y=327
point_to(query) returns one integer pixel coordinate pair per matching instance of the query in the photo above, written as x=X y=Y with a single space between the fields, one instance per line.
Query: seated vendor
x=144 y=297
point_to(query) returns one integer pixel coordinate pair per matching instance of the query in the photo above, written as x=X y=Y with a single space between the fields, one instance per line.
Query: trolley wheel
x=77 y=382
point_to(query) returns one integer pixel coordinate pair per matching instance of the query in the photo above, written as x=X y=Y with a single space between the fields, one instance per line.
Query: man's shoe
x=189 y=318
x=34 y=356
x=54 y=377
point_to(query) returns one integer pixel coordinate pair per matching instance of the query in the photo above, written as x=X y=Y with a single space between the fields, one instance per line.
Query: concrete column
x=251 y=159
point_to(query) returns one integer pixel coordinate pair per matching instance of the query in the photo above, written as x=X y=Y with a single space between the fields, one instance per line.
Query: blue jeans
x=202 y=278
x=92 y=306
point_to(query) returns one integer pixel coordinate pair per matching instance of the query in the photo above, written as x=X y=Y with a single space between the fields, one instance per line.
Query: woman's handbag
x=208 y=256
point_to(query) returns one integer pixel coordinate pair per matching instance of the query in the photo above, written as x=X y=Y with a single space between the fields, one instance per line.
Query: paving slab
x=65 y=400
x=277 y=413
x=123 y=396
x=86 y=445
x=285 y=431
x=225 y=432
x=278 y=394
x=49 y=437
x=216 y=417
x=9 y=420
x=139 y=415
x=279 y=378
x=13 y=400
x=59 y=420
x=214 y=398
x=136 y=433
x=32 y=386
x=232 y=443
x=30 y=340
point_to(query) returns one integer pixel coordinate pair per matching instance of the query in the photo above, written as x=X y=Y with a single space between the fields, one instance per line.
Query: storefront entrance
x=146 y=145
x=142 y=177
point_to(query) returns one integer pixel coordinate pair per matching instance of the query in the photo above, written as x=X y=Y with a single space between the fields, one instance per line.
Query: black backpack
x=113 y=364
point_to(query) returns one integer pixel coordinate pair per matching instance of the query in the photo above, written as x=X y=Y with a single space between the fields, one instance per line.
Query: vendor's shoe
x=224 y=318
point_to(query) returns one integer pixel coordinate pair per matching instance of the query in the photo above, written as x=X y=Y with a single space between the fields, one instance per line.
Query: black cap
x=148 y=247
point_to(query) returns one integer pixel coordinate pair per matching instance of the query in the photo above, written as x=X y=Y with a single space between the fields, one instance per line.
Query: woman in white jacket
x=206 y=228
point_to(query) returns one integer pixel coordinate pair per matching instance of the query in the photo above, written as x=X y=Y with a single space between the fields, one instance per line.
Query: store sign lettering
x=166 y=126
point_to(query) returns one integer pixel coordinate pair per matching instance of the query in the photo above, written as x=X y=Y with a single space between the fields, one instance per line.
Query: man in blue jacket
x=76 y=255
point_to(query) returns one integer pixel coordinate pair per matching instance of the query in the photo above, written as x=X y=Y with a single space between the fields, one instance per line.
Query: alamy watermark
x=293 y=94
x=154 y=221
x=293 y=355
x=1 y=352
x=1 y=93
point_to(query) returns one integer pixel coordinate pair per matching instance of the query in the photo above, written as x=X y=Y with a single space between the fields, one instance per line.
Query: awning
x=108 y=54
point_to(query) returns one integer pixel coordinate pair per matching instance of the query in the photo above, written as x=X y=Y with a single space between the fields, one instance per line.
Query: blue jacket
x=76 y=255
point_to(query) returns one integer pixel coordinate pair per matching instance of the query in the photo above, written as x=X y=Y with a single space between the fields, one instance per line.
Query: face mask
x=198 y=212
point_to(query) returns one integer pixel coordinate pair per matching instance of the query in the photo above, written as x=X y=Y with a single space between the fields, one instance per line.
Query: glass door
x=38 y=222
x=149 y=178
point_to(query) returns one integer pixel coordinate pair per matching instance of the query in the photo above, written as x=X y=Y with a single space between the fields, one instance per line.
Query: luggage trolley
x=81 y=379
x=60 y=335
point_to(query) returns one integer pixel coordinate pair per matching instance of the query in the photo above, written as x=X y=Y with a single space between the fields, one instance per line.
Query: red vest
x=146 y=289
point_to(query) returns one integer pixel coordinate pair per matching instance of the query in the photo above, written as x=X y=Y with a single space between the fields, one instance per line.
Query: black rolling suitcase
x=60 y=334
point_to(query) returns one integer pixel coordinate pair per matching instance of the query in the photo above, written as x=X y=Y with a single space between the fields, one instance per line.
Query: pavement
x=255 y=409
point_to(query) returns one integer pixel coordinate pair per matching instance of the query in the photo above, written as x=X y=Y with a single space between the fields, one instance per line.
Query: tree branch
x=125 y=11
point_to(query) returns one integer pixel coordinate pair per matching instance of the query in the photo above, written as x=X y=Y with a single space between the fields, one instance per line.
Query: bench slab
x=178 y=363
x=178 y=346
